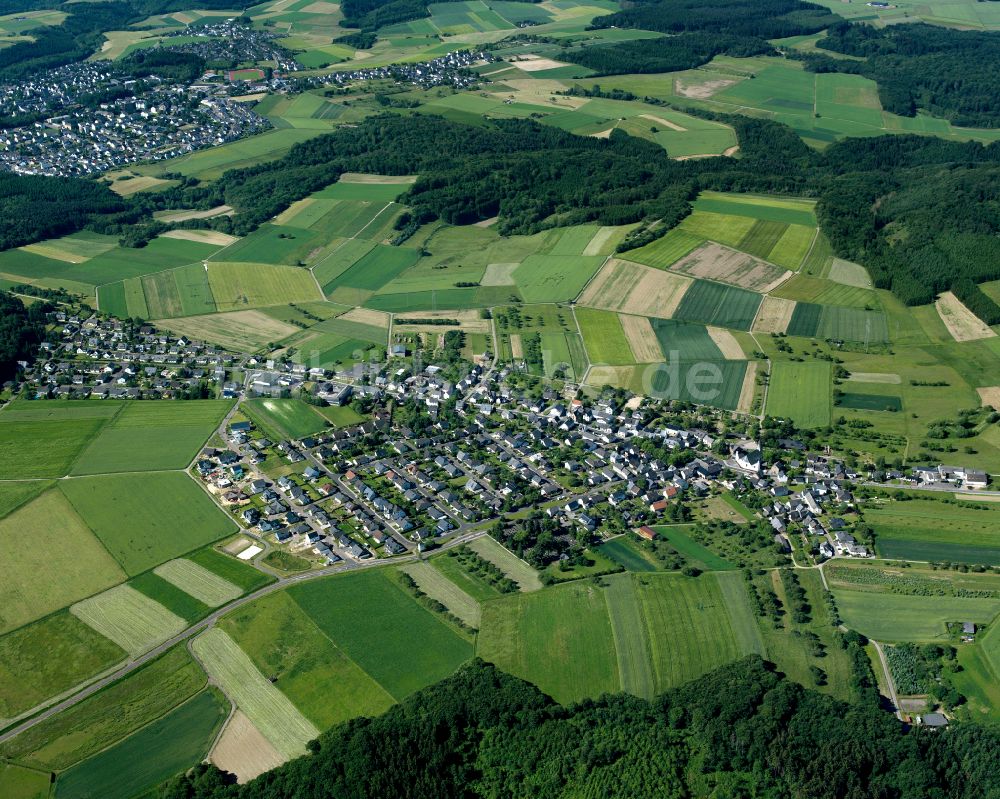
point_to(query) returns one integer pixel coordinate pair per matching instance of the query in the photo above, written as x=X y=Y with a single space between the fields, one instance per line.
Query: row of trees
x=742 y=730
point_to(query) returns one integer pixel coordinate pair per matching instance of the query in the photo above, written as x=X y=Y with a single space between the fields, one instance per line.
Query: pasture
x=317 y=676
x=236 y=286
x=199 y=582
x=169 y=515
x=667 y=249
x=269 y=709
x=718 y=305
x=516 y=569
x=800 y=392
x=555 y=278
x=626 y=551
x=437 y=586
x=604 y=337
x=100 y=720
x=48 y=657
x=284 y=418
x=129 y=618
x=150 y=436
x=925 y=529
x=44 y=439
x=895 y=617
x=385 y=646
x=560 y=639
x=47 y=537
x=179 y=740
x=635 y=668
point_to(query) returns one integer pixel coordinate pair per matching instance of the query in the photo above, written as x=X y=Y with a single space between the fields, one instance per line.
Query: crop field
x=269 y=709
x=198 y=581
x=230 y=569
x=319 y=679
x=604 y=337
x=774 y=316
x=685 y=342
x=129 y=618
x=505 y=560
x=635 y=289
x=716 y=262
x=838 y=323
x=895 y=617
x=48 y=657
x=667 y=249
x=168 y=515
x=627 y=552
x=715 y=383
x=43 y=439
x=928 y=530
x=376 y=268
x=641 y=337
x=800 y=392
x=179 y=740
x=284 y=418
x=47 y=537
x=272 y=244
x=771 y=209
x=689 y=625
x=159 y=255
x=384 y=644
x=149 y=436
x=793 y=247
x=170 y=597
x=560 y=639
x=718 y=305
x=635 y=666
x=555 y=278
x=728 y=229
x=95 y=723
x=339 y=260
x=807 y=288
x=15 y=494
x=237 y=285
x=242 y=750
x=870 y=402
x=437 y=586
x=245 y=331
x=17 y=782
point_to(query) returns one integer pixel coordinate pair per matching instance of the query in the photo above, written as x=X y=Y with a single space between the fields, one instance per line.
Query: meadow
x=604 y=337
x=505 y=560
x=44 y=439
x=283 y=419
x=893 y=617
x=129 y=618
x=702 y=557
x=47 y=537
x=236 y=286
x=375 y=622
x=269 y=709
x=199 y=582
x=169 y=515
x=635 y=667
x=923 y=529
x=321 y=681
x=127 y=769
x=170 y=597
x=433 y=583
x=800 y=392
x=469 y=583
x=628 y=553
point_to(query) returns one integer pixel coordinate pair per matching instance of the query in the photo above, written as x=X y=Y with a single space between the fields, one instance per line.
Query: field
x=198 y=581
x=929 y=530
x=505 y=560
x=800 y=392
x=718 y=305
x=180 y=739
x=236 y=286
x=960 y=321
x=47 y=537
x=269 y=709
x=774 y=315
x=892 y=617
x=168 y=515
x=129 y=618
x=685 y=342
x=43 y=439
x=245 y=331
x=635 y=668
x=48 y=657
x=377 y=624
x=667 y=249
x=324 y=684
x=437 y=586
x=555 y=278
x=17 y=782
x=149 y=436
x=560 y=639
x=635 y=289
x=108 y=716
x=642 y=339
x=716 y=262
x=716 y=383
x=604 y=337
x=703 y=557
x=474 y=586
x=242 y=749
x=284 y=418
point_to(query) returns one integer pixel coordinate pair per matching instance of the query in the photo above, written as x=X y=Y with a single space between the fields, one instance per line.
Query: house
x=646 y=532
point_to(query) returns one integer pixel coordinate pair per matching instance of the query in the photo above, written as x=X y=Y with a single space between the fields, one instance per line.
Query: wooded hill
x=741 y=731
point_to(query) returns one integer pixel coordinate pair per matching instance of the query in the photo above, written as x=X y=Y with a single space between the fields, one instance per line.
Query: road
x=204 y=624
x=890 y=684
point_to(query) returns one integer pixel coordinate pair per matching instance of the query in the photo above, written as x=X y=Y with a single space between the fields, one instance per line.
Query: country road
x=888 y=679
x=204 y=624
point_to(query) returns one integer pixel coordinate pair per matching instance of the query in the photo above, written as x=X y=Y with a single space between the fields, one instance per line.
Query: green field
x=170 y=597
x=150 y=436
x=374 y=269
x=603 y=336
x=928 y=530
x=560 y=639
x=716 y=383
x=555 y=278
x=685 y=341
x=320 y=680
x=17 y=782
x=168 y=515
x=770 y=209
x=199 y=582
x=270 y=710
x=628 y=552
x=471 y=584
x=128 y=617
x=800 y=392
x=48 y=657
x=146 y=758
x=378 y=625
x=869 y=402
x=718 y=305
x=676 y=535
x=282 y=419
x=635 y=667
x=237 y=286
x=433 y=583
x=15 y=494
x=893 y=617
x=667 y=249
x=47 y=537
x=505 y=560
x=230 y=569
x=78 y=732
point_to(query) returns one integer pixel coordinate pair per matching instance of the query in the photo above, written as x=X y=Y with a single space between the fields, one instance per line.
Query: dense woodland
x=949 y=73
x=370 y=15
x=741 y=731
x=22 y=329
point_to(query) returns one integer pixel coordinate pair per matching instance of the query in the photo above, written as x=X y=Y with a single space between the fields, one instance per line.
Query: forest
x=370 y=15
x=741 y=731
x=22 y=329
x=949 y=73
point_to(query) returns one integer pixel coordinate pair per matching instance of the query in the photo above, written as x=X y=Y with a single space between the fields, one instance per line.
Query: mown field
x=800 y=392
x=283 y=419
x=929 y=530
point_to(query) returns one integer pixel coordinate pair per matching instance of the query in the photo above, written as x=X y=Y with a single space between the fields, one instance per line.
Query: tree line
x=370 y=15
x=743 y=730
x=22 y=329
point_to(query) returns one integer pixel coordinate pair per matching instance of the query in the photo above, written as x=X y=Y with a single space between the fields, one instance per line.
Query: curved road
x=204 y=624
